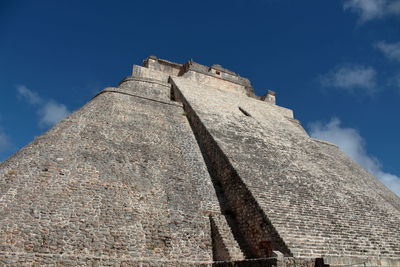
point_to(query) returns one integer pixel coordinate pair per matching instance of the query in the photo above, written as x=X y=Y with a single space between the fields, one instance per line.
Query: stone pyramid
x=182 y=165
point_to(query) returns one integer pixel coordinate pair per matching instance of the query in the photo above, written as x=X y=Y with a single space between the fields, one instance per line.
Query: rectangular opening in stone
x=244 y=112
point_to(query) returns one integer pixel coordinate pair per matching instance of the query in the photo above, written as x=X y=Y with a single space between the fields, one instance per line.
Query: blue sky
x=336 y=63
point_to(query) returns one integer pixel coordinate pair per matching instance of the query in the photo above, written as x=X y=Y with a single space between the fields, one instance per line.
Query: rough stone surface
x=225 y=246
x=318 y=201
x=182 y=166
x=120 y=178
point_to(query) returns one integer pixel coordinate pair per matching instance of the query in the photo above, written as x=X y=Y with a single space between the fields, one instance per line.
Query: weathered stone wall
x=215 y=76
x=143 y=72
x=120 y=180
x=271 y=262
x=162 y=65
x=220 y=248
x=212 y=71
x=197 y=77
x=255 y=233
x=225 y=246
x=335 y=261
x=319 y=201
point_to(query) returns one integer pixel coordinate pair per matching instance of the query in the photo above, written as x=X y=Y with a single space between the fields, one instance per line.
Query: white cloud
x=395 y=81
x=372 y=9
x=352 y=144
x=350 y=77
x=31 y=97
x=390 y=50
x=5 y=142
x=49 y=111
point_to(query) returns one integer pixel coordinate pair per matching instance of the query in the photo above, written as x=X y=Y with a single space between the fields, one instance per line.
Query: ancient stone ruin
x=182 y=165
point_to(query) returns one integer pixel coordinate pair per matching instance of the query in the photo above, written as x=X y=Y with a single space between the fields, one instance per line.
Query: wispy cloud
x=351 y=77
x=372 y=9
x=49 y=111
x=395 y=81
x=390 y=50
x=31 y=97
x=5 y=142
x=351 y=142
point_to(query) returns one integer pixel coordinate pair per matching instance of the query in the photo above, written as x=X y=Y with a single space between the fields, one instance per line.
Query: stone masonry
x=182 y=165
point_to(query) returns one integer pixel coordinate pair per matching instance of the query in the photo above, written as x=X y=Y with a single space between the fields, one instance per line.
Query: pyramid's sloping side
x=121 y=180
x=318 y=201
